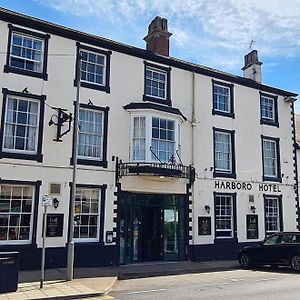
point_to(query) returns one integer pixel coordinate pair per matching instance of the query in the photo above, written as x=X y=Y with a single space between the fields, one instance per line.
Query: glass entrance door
x=151 y=234
x=170 y=233
x=152 y=227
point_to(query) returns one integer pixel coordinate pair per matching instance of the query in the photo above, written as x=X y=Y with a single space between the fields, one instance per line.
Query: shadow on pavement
x=275 y=269
x=138 y=270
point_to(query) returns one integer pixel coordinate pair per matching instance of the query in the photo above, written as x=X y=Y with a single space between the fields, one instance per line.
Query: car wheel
x=244 y=260
x=295 y=263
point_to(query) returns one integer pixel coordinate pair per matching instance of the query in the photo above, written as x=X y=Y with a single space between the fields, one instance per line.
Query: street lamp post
x=70 y=258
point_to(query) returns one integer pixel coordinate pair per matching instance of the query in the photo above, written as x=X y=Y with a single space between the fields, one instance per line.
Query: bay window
x=155 y=139
x=163 y=139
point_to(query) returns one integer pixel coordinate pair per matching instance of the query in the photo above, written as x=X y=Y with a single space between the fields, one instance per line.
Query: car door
x=283 y=251
x=268 y=252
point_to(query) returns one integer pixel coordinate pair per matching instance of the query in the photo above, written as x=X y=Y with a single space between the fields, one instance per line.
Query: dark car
x=278 y=249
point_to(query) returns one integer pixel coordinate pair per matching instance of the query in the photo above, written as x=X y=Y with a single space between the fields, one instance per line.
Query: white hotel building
x=176 y=161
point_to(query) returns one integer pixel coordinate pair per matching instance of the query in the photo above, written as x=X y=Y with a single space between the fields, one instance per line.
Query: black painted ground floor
x=149 y=227
x=101 y=256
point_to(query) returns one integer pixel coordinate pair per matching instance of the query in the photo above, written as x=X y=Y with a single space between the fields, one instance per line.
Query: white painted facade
x=190 y=92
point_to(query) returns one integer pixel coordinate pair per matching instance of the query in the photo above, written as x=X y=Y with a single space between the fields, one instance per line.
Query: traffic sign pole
x=43 y=248
x=46 y=201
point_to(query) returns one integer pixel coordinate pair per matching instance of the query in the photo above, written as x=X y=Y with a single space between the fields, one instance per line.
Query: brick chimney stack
x=157 y=39
x=252 y=68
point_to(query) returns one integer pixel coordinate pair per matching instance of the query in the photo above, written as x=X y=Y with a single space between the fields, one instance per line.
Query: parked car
x=278 y=249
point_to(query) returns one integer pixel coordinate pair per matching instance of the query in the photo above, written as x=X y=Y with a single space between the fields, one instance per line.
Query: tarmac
x=96 y=283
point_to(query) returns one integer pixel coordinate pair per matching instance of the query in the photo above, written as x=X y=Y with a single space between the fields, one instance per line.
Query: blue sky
x=213 y=33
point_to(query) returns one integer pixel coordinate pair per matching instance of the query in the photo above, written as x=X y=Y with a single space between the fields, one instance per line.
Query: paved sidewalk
x=95 y=283
x=59 y=288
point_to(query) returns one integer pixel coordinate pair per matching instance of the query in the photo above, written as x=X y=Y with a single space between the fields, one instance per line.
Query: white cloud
x=215 y=32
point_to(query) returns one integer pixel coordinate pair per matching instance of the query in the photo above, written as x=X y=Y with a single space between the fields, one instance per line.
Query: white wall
x=127 y=85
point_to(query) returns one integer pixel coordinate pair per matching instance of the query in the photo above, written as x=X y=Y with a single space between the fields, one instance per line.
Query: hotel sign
x=246 y=186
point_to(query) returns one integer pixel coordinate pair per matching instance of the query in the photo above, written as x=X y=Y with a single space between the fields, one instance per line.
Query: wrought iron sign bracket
x=61 y=118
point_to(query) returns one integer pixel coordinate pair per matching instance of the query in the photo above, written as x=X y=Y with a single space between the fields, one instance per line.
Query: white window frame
x=274 y=159
x=97 y=238
x=100 y=158
x=218 y=96
x=42 y=52
x=216 y=153
x=225 y=216
x=104 y=66
x=270 y=213
x=148 y=122
x=139 y=137
x=165 y=83
x=13 y=150
x=269 y=100
x=159 y=141
x=20 y=242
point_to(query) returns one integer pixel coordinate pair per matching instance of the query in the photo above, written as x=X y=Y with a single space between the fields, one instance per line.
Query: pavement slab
x=96 y=283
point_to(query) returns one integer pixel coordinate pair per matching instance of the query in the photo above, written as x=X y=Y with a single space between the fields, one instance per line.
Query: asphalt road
x=264 y=283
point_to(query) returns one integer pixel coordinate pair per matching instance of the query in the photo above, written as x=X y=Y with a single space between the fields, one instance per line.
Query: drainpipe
x=193 y=120
x=194 y=123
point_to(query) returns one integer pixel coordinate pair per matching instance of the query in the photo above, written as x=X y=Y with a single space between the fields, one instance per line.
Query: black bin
x=9 y=271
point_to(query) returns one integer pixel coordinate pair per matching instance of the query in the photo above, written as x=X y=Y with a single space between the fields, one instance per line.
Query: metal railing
x=155 y=169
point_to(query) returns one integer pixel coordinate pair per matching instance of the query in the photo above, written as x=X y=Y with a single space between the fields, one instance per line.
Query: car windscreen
x=272 y=240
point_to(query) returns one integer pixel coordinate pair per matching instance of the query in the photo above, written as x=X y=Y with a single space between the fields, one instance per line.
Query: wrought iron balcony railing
x=155 y=169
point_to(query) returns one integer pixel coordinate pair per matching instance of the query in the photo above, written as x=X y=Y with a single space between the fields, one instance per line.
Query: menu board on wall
x=204 y=225
x=252 y=226
x=55 y=225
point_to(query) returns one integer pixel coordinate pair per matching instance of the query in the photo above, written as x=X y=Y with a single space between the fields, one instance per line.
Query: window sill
x=13 y=155
x=268 y=122
x=223 y=113
x=224 y=175
x=86 y=243
x=97 y=87
x=89 y=162
x=157 y=100
x=225 y=240
x=9 y=69
x=27 y=244
x=272 y=179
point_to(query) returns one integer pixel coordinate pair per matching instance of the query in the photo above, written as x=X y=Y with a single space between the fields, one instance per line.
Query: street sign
x=47 y=200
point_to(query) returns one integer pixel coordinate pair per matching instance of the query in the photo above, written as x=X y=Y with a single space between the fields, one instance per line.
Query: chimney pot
x=157 y=39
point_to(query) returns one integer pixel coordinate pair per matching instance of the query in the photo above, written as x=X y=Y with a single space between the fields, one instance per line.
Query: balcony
x=155 y=169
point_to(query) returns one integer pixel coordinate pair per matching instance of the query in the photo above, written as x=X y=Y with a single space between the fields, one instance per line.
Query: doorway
x=152 y=227
x=151 y=234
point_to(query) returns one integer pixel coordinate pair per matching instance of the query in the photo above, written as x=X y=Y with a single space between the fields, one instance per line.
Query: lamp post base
x=70 y=261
